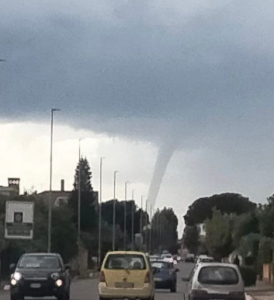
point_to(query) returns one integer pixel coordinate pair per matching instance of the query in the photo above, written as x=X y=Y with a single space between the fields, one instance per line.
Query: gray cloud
x=198 y=70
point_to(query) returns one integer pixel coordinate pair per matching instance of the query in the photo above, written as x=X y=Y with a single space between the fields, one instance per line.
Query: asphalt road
x=87 y=289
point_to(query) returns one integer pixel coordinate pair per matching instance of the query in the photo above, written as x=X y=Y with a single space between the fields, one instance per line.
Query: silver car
x=215 y=281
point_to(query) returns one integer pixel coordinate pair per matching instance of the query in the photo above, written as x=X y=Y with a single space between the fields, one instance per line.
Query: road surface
x=87 y=289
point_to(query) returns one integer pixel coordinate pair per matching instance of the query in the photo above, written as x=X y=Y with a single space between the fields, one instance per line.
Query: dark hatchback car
x=40 y=275
x=165 y=276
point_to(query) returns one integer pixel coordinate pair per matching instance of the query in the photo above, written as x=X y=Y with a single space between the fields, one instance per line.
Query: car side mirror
x=12 y=267
x=67 y=267
x=185 y=279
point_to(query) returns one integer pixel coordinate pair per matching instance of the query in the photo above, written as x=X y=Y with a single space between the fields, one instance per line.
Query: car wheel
x=63 y=296
x=173 y=289
x=101 y=298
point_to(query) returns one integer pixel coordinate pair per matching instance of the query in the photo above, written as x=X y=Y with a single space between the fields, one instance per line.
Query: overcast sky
x=133 y=76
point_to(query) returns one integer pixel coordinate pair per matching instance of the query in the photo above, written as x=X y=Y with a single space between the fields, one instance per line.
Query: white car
x=167 y=257
x=205 y=259
x=154 y=257
x=215 y=281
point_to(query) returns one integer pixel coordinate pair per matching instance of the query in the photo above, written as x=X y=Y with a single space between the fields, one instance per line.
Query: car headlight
x=13 y=282
x=55 y=276
x=59 y=282
x=17 y=276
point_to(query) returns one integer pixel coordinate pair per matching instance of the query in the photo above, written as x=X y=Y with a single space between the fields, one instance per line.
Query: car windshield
x=39 y=262
x=161 y=265
x=125 y=262
x=218 y=275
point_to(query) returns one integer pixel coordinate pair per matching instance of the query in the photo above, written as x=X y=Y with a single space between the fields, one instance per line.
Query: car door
x=189 y=285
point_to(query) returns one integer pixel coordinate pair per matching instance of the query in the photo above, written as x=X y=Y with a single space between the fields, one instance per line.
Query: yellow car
x=126 y=274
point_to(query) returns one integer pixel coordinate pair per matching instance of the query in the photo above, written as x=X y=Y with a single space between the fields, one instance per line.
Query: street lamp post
x=114 y=212
x=146 y=222
x=132 y=221
x=125 y=217
x=100 y=212
x=150 y=234
x=79 y=196
x=50 y=180
x=141 y=222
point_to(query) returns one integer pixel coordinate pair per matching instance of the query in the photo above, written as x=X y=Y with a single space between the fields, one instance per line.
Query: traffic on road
x=126 y=275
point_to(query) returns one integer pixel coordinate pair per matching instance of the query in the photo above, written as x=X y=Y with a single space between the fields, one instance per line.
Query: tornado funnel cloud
x=165 y=153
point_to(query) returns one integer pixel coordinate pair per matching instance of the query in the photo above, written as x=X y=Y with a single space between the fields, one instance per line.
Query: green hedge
x=249 y=275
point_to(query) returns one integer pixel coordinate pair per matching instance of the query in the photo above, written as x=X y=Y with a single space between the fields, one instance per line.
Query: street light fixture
x=114 y=212
x=50 y=180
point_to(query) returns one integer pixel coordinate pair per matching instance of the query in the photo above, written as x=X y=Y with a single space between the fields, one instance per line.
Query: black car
x=190 y=258
x=165 y=276
x=40 y=275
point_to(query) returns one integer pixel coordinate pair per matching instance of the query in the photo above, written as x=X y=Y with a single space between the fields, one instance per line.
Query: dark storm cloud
x=139 y=68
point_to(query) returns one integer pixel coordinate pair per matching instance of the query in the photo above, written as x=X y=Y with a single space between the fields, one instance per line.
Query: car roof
x=216 y=264
x=41 y=254
x=126 y=252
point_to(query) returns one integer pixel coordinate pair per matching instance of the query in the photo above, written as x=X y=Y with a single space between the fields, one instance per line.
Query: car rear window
x=125 y=262
x=218 y=275
x=39 y=262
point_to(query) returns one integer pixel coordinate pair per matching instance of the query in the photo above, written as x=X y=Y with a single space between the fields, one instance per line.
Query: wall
x=268 y=273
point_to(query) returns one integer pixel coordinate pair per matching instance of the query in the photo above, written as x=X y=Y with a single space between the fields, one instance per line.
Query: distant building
x=13 y=188
x=58 y=197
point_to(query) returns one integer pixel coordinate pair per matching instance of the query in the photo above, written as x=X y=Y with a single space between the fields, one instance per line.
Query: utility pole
x=114 y=213
x=132 y=221
x=50 y=180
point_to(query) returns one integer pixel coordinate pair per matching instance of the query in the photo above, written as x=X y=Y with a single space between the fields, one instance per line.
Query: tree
x=244 y=225
x=227 y=203
x=249 y=245
x=191 y=238
x=218 y=235
x=107 y=216
x=266 y=217
x=164 y=230
x=89 y=201
x=64 y=234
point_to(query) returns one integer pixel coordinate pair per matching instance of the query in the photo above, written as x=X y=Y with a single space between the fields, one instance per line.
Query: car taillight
x=147 y=278
x=198 y=293
x=240 y=295
x=102 y=277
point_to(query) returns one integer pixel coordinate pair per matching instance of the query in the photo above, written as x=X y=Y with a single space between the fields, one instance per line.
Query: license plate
x=124 y=285
x=35 y=285
x=157 y=279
